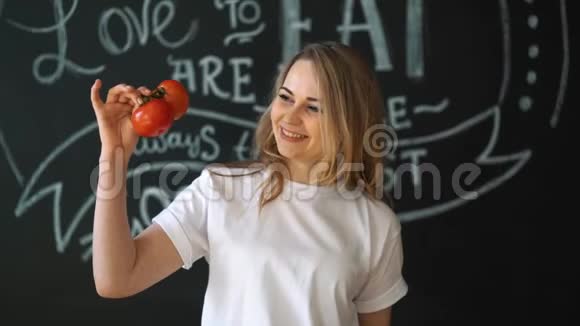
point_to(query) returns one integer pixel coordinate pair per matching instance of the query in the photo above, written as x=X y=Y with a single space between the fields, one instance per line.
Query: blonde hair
x=352 y=105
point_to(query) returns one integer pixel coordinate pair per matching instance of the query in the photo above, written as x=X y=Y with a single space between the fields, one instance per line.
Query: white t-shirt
x=315 y=256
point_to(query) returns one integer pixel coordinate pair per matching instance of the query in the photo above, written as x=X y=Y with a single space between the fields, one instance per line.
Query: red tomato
x=176 y=95
x=152 y=118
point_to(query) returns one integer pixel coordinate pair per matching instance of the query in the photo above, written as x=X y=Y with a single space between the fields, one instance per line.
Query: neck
x=305 y=172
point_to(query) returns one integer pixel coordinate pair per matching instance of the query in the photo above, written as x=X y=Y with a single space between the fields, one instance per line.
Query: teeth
x=291 y=134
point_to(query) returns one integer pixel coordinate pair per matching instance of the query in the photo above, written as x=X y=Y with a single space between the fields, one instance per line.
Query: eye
x=313 y=108
x=284 y=97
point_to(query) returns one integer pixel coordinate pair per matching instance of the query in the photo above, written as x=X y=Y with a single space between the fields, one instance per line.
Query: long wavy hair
x=352 y=124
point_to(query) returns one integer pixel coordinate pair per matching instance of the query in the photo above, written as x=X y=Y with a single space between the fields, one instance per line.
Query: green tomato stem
x=157 y=93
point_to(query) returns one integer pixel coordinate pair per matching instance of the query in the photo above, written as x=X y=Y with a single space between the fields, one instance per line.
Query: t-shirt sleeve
x=385 y=284
x=185 y=220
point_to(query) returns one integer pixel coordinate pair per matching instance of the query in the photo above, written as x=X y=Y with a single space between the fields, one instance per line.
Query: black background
x=503 y=259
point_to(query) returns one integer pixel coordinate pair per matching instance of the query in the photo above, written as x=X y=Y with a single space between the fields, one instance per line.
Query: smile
x=291 y=135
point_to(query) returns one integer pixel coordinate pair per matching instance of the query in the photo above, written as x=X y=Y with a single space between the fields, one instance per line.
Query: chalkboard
x=478 y=95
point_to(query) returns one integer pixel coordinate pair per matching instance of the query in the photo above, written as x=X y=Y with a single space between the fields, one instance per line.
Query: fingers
x=134 y=96
x=114 y=93
x=144 y=90
x=124 y=99
x=95 y=96
x=125 y=94
x=121 y=93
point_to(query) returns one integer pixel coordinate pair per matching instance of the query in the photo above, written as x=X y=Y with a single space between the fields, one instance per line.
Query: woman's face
x=296 y=110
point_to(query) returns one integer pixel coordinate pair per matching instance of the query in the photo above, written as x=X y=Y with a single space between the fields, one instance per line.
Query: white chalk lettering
x=240 y=79
x=292 y=25
x=413 y=155
x=373 y=26
x=415 y=56
x=159 y=23
x=183 y=71
x=206 y=133
x=211 y=67
x=397 y=106
x=246 y=12
x=175 y=140
x=243 y=147
x=59 y=58
x=212 y=70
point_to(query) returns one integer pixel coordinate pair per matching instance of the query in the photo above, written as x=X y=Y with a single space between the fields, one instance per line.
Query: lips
x=293 y=132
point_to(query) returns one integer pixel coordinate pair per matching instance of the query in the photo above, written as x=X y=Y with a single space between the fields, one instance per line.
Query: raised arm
x=123 y=266
x=377 y=318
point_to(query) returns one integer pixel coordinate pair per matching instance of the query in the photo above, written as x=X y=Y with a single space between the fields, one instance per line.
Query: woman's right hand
x=114 y=116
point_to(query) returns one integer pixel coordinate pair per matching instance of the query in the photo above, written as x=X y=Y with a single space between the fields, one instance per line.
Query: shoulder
x=382 y=217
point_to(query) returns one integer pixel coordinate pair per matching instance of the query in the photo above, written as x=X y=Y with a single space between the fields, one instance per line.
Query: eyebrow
x=314 y=99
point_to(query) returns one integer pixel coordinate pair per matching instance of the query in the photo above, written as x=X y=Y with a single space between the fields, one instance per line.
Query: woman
x=297 y=237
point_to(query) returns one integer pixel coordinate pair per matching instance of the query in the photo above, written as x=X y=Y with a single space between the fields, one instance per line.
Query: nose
x=293 y=115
